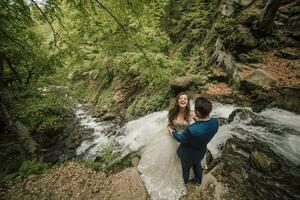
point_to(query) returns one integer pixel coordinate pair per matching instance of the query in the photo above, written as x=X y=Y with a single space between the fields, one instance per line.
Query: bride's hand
x=170 y=130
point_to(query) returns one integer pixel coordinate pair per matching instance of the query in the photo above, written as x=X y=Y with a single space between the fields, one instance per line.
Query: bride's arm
x=170 y=127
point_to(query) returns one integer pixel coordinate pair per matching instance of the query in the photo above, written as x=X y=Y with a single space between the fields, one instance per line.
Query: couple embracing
x=167 y=160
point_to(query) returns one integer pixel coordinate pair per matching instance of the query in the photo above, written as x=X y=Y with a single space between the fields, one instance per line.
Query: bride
x=160 y=166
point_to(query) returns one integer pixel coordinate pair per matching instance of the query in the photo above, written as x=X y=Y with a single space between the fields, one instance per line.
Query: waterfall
x=275 y=127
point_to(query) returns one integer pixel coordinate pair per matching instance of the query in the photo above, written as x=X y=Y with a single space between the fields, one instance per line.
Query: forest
x=70 y=68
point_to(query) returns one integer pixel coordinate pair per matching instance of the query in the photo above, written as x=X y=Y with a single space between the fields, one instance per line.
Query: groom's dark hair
x=203 y=106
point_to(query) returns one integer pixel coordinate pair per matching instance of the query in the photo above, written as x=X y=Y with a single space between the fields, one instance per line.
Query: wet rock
x=241 y=114
x=180 y=84
x=259 y=78
x=263 y=162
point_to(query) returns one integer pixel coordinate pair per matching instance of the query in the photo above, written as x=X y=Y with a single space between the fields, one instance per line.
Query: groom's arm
x=182 y=137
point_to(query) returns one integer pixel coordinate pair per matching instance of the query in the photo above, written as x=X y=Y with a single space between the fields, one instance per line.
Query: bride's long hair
x=173 y=112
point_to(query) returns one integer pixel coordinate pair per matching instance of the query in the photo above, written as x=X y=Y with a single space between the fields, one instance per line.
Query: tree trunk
x=267 y=17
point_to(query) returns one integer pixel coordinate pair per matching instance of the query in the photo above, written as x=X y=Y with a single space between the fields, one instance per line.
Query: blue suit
x=193 y=146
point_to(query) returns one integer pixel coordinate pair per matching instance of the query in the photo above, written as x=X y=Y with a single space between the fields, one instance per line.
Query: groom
x=195 y=138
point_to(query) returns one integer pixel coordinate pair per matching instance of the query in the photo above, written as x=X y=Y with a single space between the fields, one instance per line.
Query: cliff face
x=261 y=53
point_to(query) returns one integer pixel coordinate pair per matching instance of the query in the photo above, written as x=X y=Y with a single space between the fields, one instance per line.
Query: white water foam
x=91 y=147
x=138 y=133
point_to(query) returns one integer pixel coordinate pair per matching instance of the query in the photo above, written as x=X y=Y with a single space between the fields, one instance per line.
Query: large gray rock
x=258 y=78
x=180 y=83
x=128 y=185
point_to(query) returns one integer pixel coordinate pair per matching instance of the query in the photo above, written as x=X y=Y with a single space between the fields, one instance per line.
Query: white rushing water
x=91 y=147
x=138 y=133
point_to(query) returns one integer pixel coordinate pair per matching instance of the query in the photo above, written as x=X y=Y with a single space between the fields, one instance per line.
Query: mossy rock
x=249 y=17
x=240 y=41
x=252 y=56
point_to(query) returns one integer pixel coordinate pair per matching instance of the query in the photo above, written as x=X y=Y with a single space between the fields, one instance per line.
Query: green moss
x=30 y=167
x=267 y=43
x=105 y=99
x=110 y=160
x=252 y=56
x=147 y=102
x=8 y=177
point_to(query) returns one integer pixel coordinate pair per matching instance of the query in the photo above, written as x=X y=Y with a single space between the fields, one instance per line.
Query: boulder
x=227 y=8
x=180 y=84
x=241 y=40
x=257 y=79
x=263 y=162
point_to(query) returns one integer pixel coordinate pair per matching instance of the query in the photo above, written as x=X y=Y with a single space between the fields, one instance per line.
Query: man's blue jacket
x=195 y=138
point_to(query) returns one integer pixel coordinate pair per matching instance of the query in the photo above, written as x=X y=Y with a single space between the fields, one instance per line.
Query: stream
x=277 y=128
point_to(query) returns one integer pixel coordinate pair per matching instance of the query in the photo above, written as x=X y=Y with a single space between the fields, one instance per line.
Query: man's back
x=202 y=132
x=197 y=136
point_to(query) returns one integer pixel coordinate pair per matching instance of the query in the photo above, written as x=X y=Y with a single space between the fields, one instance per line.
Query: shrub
x=30 y=167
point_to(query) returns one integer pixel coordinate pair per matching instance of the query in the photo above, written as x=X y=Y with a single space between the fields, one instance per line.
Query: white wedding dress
x=160 y=167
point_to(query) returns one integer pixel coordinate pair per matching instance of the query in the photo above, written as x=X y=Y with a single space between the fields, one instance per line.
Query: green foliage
x=147 y=102
x=187 y=23
x=23 y=46
x=8 y=177
x=267 y=43
x=45 y=108
x=30 y=167
x=225 y=27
